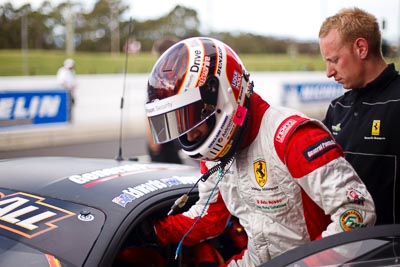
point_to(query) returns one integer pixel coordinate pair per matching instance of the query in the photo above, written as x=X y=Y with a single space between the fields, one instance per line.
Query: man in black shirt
x=366 y=119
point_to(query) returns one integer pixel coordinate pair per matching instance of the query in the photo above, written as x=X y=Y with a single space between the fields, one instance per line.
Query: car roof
x=91 y=201
x=82 y=180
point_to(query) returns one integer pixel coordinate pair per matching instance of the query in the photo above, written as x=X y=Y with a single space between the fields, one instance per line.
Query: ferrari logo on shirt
x=376 y=127
x=260 y=172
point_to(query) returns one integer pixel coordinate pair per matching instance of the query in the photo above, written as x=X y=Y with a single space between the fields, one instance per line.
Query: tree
x=97 y=28
x=24 y=27
x=181 y=23
x=10 y=27
x=103 y=29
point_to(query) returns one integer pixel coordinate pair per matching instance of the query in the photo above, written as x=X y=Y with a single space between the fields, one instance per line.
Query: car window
x=137 y=251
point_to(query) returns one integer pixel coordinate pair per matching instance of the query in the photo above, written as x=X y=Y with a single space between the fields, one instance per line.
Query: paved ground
x=131 y=148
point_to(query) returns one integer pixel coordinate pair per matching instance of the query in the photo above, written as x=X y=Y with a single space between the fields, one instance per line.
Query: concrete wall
x=97 y=114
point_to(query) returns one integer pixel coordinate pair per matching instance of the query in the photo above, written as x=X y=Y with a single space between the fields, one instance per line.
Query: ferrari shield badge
x=260 y=171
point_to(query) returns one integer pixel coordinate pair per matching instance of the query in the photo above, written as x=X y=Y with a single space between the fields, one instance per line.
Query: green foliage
x=283 y=62
x=47 y=62
x=102 y=29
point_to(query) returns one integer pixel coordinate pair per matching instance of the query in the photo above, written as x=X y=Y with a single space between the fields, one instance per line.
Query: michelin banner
x=311 y=92
x=33 y=107
x=312 y=98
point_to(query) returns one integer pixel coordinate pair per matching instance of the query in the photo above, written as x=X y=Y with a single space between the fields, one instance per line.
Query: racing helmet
x=198 y=80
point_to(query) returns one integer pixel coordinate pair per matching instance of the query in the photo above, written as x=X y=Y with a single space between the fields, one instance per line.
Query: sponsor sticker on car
x=29 y=215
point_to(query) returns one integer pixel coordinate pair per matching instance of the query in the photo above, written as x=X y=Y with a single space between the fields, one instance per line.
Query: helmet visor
x=170 y=118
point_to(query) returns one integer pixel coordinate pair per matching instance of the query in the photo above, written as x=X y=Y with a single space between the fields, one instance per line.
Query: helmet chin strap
x=230 y=156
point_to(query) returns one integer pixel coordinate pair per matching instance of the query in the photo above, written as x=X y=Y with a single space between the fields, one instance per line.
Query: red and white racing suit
x=289 y=184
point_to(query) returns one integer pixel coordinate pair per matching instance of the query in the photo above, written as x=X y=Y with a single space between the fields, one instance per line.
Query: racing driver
x=276 y=170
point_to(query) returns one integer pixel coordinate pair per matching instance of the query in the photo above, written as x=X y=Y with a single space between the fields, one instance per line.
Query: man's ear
x=361 y=47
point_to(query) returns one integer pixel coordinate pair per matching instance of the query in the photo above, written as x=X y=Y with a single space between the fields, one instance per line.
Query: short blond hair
x=353 y=23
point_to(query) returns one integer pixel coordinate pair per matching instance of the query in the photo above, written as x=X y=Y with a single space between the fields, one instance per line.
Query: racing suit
x=289 y=184
x=364 y=121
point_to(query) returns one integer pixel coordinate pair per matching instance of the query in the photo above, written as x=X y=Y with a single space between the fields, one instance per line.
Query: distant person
x=364 y=121
x=66 y=77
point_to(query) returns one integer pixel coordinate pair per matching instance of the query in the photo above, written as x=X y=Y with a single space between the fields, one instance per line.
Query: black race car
x=65 y=211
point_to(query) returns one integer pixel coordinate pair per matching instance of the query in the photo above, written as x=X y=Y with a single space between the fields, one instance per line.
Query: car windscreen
x=370 y=246
x=64 y=229
x=369 y=252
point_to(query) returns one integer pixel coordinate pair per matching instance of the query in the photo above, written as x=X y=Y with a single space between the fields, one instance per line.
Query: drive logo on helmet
x=195 y=67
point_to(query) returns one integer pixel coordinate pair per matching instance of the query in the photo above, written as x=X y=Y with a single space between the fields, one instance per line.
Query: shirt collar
x=381 y=82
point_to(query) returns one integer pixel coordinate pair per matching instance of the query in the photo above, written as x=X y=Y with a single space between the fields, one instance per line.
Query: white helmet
x=198 y=80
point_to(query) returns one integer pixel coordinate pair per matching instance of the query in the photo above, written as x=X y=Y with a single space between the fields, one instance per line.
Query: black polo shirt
x=366 y=123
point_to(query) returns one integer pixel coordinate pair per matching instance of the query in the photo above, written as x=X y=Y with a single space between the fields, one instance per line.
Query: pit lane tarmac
x=134 y=148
